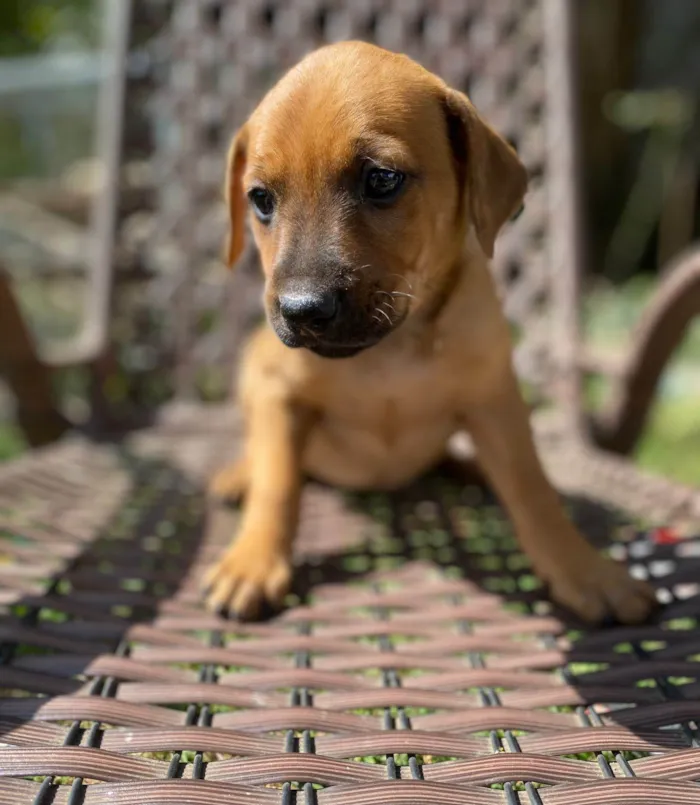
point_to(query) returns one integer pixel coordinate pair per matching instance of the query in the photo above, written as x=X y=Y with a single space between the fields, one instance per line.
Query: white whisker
x=395 y=294
x=385 y=314
x=401 y=277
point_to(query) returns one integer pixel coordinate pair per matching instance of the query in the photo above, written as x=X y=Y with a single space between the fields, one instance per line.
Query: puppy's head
x=364 y=174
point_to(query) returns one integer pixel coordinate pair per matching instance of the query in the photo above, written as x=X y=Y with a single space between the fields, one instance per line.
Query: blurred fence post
x=28 y=378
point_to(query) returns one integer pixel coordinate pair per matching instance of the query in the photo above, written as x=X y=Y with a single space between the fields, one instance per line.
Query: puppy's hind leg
x=463 y=470
x=231 y=482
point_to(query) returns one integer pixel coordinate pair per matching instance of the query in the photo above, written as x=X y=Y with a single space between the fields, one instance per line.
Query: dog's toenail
x=221 y=610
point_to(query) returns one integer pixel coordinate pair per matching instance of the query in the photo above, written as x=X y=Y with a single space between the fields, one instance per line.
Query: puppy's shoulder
x=474 y=332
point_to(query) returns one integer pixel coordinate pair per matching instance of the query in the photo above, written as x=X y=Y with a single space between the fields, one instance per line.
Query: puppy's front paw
x=249 y=575
x=599 y=590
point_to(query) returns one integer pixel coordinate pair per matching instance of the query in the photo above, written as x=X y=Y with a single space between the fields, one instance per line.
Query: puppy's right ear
x=235 y=197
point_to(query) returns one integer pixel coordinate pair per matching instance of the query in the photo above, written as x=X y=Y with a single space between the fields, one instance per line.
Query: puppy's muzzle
x=326 y=315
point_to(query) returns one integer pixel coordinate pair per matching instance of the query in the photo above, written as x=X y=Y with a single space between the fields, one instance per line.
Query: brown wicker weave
x=418 y=661
x=210 y=62
x=417 y=665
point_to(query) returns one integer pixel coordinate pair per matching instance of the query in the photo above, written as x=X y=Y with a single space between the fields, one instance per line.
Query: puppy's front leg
x=581 y=579
x=257 y=567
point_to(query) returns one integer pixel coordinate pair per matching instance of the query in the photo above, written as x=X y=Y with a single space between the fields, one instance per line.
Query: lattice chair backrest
x=206 y=63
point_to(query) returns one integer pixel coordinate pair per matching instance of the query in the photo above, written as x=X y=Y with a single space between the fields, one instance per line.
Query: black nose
x=308 y=307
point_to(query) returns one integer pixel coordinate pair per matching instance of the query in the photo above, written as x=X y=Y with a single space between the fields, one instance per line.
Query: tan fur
x=383 y=416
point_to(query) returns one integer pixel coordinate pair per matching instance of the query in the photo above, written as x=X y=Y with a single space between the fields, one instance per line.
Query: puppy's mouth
x=323 y=347
x=334 y=342
x=340 y=350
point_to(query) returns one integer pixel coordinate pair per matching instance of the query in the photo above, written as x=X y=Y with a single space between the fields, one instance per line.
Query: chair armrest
x=636 y=375
x=28 y=378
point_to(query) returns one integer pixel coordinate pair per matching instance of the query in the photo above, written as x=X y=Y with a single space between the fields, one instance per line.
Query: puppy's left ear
x=235 y=197
x=492 y=180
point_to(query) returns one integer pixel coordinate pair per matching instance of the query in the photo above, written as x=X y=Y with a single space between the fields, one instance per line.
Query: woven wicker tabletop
x=417 y=662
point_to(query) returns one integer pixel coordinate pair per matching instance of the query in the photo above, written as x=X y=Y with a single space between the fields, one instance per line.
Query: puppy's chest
x=391 y=401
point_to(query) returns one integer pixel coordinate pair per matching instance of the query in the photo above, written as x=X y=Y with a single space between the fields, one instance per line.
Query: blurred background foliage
x=639 y=85
x=47 y=92
x=34 y=26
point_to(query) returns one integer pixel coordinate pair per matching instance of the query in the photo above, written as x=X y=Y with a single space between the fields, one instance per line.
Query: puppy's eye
x=382 y=184
x=263 y=203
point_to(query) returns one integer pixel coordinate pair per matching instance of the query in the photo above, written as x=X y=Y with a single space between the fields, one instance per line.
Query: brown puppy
x=376 y=194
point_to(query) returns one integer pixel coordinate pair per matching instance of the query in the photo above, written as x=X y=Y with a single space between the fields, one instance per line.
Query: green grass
x=12 y=442
x=671 y=444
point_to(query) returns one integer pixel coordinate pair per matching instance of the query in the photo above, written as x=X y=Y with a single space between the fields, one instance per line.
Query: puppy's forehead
x=342 y=102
